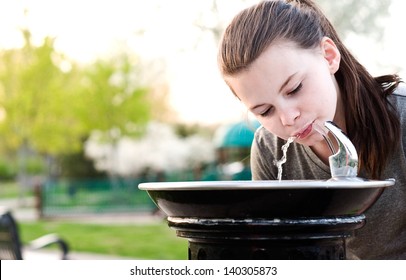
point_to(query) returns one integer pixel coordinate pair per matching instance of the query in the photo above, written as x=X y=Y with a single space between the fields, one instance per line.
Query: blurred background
x=99 y=96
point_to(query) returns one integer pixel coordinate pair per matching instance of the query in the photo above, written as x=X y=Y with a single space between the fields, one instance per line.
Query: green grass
x=151 y=241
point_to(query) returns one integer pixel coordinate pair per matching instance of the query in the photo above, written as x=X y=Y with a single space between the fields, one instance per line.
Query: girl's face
x=290 y=90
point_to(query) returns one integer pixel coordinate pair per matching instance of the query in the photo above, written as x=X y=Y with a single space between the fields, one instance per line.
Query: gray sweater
x=384 y=235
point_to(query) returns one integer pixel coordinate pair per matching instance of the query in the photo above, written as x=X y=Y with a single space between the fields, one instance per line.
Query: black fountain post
x=267 y=239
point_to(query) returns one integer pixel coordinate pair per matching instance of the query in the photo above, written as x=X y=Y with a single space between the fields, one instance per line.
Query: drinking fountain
x=288 y=219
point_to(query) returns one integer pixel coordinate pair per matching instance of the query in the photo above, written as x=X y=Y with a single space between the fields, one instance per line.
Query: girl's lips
x=305 y=132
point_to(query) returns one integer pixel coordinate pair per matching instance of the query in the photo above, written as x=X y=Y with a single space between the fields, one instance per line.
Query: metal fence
x=68 y=197
x=112 y=195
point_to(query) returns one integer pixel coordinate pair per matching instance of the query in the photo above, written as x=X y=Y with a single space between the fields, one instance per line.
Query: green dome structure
x=233 y=145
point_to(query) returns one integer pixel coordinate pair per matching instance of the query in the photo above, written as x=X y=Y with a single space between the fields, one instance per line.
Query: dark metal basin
x=265 y=199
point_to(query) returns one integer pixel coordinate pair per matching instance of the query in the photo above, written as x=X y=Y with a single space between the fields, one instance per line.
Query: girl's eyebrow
x=256 y=106
x=287 y=81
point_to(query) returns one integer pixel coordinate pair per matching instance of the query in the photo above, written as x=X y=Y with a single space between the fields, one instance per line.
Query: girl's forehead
x=282 y=55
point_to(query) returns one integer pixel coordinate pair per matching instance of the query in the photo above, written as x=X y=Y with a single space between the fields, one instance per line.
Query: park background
x=98 y=96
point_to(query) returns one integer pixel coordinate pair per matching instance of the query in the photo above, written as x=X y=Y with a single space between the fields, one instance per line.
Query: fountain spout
x=344 y=163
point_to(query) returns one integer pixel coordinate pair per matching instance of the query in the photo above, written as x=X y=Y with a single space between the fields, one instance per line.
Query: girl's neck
x=323 y=151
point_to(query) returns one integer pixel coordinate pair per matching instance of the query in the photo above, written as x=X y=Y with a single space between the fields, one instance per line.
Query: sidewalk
x=48 y=254
x=25 y=211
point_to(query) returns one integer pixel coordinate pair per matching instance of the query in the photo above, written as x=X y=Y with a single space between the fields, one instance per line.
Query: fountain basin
x=265 y=199
x=301 y=219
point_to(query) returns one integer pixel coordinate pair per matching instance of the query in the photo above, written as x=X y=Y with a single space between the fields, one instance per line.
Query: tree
x=36 y=99
x=113 y=100
x=50 y=105
x=115 y=104
x=35 y=94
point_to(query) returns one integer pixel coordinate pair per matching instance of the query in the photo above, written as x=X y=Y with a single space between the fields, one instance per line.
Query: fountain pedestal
x=231 y=239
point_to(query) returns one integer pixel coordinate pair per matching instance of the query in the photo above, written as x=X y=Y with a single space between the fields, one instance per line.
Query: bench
x=10 y=243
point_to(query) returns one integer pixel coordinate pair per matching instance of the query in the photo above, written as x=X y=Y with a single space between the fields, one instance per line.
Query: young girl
x=288 y=66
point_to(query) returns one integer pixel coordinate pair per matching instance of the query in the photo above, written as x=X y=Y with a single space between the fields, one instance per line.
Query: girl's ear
x=331 y=54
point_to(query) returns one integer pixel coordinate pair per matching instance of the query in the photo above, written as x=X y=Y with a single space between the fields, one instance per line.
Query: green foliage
x=186 y=130
x=35 y=165
x=50 y=104
x=8 y=169
x=76 y=165
x=145 y=241
x=114 y=102
x=34 y=99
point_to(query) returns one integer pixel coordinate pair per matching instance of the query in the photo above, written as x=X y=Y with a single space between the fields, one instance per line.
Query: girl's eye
x=297 y=89
x=267 y=112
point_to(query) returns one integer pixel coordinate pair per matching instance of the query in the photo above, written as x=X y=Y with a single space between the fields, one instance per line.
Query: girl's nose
x=288 y=116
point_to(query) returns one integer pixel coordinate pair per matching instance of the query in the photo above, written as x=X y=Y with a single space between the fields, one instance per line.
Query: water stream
x=285 y=147
x=280 y=162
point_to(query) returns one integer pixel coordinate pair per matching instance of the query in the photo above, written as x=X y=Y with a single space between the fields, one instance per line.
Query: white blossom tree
x=159 y=150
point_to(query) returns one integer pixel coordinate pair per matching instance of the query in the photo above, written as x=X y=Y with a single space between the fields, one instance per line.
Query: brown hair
x=374 y=128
